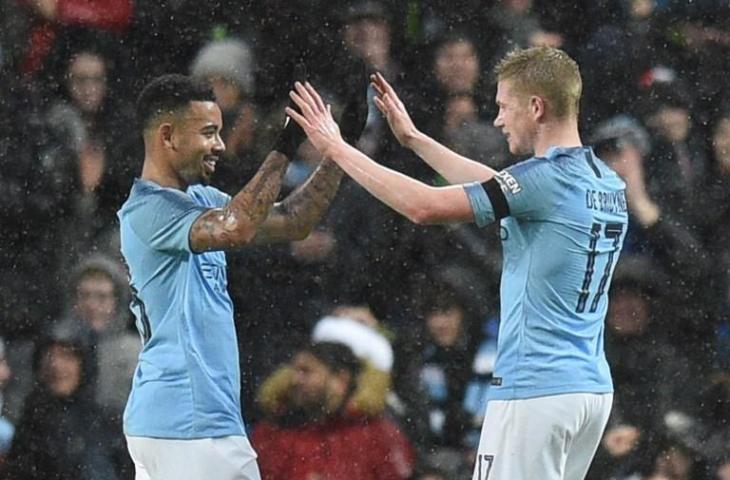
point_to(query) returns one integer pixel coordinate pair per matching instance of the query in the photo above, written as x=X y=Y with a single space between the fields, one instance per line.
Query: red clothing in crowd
x=109 y=15
x=355 y=448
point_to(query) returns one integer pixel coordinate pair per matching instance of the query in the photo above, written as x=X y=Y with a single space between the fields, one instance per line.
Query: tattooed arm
x=236 y=224
x=295 y=216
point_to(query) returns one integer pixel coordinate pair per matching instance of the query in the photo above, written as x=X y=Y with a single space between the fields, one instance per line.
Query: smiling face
x=515 y=118
x=195 y=140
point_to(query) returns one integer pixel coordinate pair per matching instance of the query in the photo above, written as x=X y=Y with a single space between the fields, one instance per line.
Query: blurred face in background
x=674 y=463
x=671 y=122
x=721 y=144
x=628 y=313
x=456 y=67
x=520 y=7
x=316 y=388
x=228 y=95
x=96 y=301
x=61 y=370
x=87 y=81
x=369 y=38
x=445 y=326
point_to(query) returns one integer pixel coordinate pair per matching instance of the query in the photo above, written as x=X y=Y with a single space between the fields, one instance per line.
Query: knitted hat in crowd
x=231 y=59
x=621 y=128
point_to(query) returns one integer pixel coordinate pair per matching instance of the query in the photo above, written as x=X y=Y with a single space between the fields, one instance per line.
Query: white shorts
x=545 y=438
x=226 y=458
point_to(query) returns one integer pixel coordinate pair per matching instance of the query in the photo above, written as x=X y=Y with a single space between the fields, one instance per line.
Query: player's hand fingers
x=392 y=105
x=389 y=91
x=304 y=94
x=385 y=85
x=303 y=122
x=315 y=95
x=381 y=106
x=376 y=86
x=303 y=105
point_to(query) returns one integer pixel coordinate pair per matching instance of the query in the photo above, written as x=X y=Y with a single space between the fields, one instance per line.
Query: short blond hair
x=547 y=72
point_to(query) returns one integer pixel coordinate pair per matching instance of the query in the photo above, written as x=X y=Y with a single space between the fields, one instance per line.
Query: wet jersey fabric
x=187 y=381
x=563 y=218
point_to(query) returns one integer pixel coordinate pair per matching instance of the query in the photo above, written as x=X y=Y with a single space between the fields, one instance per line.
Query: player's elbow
x=243 y=234
x=422 y=215
x=242 y=238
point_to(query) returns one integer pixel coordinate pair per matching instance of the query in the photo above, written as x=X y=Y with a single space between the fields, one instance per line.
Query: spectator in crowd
x=313 y=430
x=460 y=102
x=99 y=318
x=645 y=389
x=676 y=165
x=696 y=41
x=228 y=66
x=670 y=242
x=678 y=461
x=433 y=368
x=367 y=33
x=49 y=18
x=62 y=433
x=622 y=455
x=90 y=124
x=35 y=192
x=519 y=26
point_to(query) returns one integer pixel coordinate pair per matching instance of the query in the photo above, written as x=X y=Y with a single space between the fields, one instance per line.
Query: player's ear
x=164 y=133
x=537 y=107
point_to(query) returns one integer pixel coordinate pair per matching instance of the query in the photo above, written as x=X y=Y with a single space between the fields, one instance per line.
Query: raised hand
x=291 y=135
x=315 y=118
x=394 y=111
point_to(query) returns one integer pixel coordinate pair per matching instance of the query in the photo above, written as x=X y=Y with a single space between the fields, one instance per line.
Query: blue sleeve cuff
x=480 y=204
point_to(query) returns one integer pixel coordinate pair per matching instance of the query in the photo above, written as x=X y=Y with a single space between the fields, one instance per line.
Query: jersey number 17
x=612 y=231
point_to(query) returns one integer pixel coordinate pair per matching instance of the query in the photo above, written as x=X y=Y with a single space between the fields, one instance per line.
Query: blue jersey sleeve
x=526 y=190
x=164 y=220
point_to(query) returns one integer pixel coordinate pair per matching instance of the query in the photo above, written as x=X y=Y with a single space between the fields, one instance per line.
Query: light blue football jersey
x=187 y=381
x=563 y=221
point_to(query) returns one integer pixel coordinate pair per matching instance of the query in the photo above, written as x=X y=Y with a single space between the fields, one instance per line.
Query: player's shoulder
x=146 y=195
x=581 y=164
x=145 y=189
x=534 y=170
x=532 y=164
x=208 y=195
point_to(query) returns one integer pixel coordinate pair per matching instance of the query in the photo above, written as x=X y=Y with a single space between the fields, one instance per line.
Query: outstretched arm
x=235 y=225
x=417 y=201
x=295 y=216
x=453 y=167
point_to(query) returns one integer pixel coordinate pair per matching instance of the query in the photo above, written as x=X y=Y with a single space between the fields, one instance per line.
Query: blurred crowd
x=367 y=348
